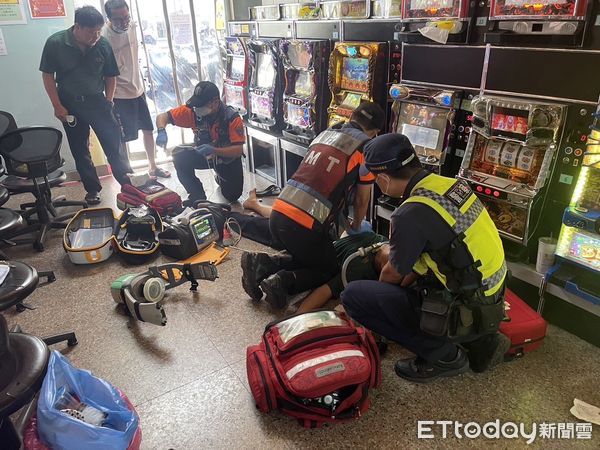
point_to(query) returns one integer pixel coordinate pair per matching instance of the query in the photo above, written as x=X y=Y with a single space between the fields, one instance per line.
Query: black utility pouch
x=488 y=317
x=435 y=312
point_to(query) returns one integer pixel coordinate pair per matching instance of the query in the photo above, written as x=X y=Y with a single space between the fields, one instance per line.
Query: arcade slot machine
x=305 y=96
x=265 y=87
x=451 y=15
x=508 y=160
x=357 y=73
x=236 y=75
x=578 y=248
x=541 y=21
x=426 y=116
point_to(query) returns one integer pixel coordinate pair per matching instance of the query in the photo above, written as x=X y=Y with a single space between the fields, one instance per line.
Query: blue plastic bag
x=61 y=431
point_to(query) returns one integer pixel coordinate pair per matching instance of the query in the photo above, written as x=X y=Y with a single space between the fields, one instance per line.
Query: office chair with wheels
x=30 y=156
x=7 y=122
x=23 y=357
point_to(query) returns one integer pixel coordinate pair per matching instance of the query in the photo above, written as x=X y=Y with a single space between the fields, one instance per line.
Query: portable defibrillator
x=143 y=293
x=189 y=233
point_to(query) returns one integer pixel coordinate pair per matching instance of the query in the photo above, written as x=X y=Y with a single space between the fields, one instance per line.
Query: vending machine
x=235 y=84
x=357 y=73
x=508 y=160
x=578 y=247
x=427 y=116
x=305 y=96
x=452 y=16
x=265 y=89
x=545 y=22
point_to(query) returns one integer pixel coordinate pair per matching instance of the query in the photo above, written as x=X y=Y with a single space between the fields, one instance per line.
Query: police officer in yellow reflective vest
x=441 y=293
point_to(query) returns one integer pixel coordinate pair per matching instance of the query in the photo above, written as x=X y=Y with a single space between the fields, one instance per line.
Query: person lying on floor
x=257 y=266
x=481 y=355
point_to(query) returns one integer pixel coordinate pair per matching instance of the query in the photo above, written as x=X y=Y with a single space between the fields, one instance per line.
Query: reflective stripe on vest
x=472 y=222
x=305 y=199
x=338 y=140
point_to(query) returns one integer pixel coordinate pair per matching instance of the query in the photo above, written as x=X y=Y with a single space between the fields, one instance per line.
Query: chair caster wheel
x=38 y=246
x=51 y=278
x=20 y=307
x=72 y=342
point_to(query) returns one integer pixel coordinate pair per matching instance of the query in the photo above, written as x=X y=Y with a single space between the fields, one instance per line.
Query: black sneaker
x=92 y=198
x=420 y=371
x=487 y=351
x=275 y=290
x=255 y=268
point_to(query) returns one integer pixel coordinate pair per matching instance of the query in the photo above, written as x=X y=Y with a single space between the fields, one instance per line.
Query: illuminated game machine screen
x=264 y=78
x=237 y=68
x=355 y=74
x=299 y=56
x=515 y=9
x=301 y=90
x=508 y=160
x=300 y=115
x=354 y=84
x=579 y=239
x=563 y=19
x=425 y=127
x=234 y=93
x=234 y=96
x=235 y=82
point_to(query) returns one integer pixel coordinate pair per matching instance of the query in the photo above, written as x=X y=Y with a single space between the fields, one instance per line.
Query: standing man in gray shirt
x=79 y=73
x=130 y=101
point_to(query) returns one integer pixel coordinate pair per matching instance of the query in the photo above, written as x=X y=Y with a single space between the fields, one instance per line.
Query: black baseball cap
x=204 y=92
x=371 y=115
x=388 y=153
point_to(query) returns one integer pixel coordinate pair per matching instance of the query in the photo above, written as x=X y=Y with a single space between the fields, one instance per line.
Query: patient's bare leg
x=252 y=203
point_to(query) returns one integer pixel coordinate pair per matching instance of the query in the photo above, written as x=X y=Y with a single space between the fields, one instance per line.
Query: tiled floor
x=187 y=380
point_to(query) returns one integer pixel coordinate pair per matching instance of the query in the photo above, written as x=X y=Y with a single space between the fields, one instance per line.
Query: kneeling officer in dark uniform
x=444 y=282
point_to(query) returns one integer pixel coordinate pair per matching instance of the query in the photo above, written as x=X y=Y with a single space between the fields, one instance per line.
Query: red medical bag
x=152 y=193
x=316 y=367
x=526 y=329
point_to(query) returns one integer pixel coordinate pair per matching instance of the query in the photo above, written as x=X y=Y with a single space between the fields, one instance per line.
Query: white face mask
x=387 y=183
x=203 y=111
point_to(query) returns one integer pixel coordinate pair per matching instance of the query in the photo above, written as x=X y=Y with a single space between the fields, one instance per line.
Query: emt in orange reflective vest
x=303 y=215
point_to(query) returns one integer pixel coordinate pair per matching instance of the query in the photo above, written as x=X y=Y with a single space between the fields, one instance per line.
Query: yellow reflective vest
x=460 y=208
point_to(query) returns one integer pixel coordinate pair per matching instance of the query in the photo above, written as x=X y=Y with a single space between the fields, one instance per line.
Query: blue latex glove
x=206 y=150
x=162 y=138
x=365 y=227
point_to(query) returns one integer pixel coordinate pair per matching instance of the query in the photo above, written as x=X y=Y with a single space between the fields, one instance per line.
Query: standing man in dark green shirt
x=79 y=73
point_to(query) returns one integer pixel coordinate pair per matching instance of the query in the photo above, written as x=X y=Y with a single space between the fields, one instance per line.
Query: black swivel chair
x=31 y=155
x=7 y=122
x=23 y=357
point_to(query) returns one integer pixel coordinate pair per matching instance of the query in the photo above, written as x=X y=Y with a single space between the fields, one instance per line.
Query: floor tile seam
x=207 y=374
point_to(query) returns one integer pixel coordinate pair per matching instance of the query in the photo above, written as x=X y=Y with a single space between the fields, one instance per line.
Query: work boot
x=276 y=290
x=255 y=268
x=419 y=370
x=487 y=351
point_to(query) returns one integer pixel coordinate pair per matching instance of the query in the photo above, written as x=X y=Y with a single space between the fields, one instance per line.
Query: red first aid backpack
x=153 y=194
x=317 y=367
